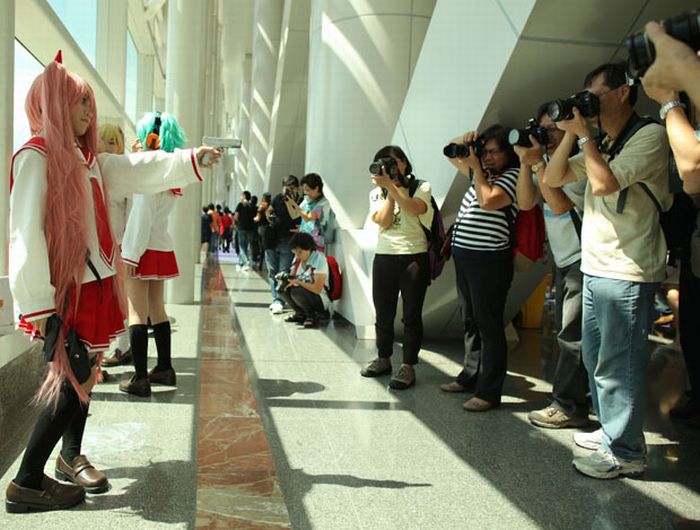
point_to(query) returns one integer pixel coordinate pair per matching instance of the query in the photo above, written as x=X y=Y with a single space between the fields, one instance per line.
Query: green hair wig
x=171 y=134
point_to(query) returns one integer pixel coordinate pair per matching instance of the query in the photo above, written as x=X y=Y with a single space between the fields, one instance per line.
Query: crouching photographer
x=303 y=288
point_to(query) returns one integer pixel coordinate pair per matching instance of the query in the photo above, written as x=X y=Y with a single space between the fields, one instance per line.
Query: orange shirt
x=214 y=220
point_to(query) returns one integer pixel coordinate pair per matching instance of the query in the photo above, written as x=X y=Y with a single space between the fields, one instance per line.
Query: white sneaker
x=603 y=464
x=589 y=440
x=276 y=307
x=245 y=268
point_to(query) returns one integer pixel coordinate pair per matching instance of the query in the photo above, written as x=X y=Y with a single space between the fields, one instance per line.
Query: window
x=80 y=19
x=132 y=69
x=26 y=70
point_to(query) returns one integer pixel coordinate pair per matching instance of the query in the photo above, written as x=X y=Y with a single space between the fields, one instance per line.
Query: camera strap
x=628 y=131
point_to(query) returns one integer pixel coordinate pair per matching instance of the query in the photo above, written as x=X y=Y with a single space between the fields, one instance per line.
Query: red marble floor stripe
x=237 y=484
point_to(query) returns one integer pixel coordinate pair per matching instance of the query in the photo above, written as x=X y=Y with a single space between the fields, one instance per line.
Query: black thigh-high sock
x=161 y=332
x=138 y=335
x=73 y=437
x=49 y=428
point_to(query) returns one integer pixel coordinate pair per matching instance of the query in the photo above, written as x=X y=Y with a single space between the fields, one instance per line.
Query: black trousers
x=483 y=282
x=570 y=384
x=409 y=275
x=689 y=304
x=304 y=302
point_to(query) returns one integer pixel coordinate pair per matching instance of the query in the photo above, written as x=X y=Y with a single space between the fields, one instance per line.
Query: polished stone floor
x=272 y=426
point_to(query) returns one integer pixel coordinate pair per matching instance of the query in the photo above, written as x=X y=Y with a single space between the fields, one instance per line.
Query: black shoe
x=310 y=323
x=295 y=319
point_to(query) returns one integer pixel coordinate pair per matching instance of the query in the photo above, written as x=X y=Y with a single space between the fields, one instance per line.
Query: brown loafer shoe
x=476 y=404
x=453 y=386
x=53 y=496
x=163 y=377
x=118 y=358
x=82 y=473
x=138 y=387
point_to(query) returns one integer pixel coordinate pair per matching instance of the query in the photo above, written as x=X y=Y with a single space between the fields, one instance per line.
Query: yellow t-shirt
x=405 y=235
x=628 y=246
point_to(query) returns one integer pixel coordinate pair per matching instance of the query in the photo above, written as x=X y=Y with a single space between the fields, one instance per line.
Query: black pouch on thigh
x=80 y=362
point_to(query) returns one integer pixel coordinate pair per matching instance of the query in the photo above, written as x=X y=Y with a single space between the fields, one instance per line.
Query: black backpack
x=678 y=222
x=435 y=236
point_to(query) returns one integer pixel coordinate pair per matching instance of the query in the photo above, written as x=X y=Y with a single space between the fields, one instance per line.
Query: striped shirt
x=486 y=230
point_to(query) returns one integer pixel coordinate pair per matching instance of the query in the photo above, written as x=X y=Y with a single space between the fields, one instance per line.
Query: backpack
x=335 y=279
x=678 y=222
x=435 y=236
x=527 y=236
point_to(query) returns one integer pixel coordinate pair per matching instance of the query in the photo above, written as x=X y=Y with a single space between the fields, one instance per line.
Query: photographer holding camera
x=400 y=205
x=315 y=210
x=562 y=216
x=660 y=85
x=482 y=249
x=278 y=257
x=623 y=259
x=676 y=66
x=305 y=284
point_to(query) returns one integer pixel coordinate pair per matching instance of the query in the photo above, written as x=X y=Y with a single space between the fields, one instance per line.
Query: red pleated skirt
x=157 y=265
x=98 y=319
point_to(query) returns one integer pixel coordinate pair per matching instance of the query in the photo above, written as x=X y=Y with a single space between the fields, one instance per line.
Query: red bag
x=529 y=234
x=335 y=279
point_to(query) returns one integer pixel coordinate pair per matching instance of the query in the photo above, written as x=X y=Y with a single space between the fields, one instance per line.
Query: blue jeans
x=214 y=243
x=617 y=316
x=277 y=259
x=245 y=238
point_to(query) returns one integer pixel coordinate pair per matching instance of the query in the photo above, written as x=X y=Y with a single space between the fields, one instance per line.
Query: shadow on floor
x=531 y=469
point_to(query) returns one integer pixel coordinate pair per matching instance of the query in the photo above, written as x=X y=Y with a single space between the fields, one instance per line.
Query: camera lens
x=519 y=137
x=684 y=27
x=375 y=168
x=556 y=110
x=455 y=150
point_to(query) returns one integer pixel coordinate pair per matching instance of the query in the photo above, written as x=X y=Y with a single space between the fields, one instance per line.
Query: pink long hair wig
x=49 y=101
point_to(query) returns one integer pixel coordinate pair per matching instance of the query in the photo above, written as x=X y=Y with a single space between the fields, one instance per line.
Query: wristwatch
x=582 y=141
x=537 y=167
x=668 y=106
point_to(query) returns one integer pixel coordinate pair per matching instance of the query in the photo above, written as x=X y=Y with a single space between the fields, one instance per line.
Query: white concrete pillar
x=144 y=94
x=266 y=39
x=112 y=20
x=242 y=130
x=367 y=55
x=183 y=98
x=361 y=57
x=7 y=78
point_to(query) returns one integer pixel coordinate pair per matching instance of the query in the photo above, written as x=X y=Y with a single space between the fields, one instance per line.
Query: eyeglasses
x=492 y=152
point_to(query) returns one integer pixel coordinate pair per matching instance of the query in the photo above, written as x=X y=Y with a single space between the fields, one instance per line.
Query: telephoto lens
x=453 y=150
x=521 y=137
x=375 y=168
x=586 y=102
x=684 y=27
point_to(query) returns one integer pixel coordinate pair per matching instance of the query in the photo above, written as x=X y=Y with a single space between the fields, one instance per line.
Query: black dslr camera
x=684 y=27
x=521 y=137
x=460 y=150
x=282 y=280
x=586 y=102
x=388 y=163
